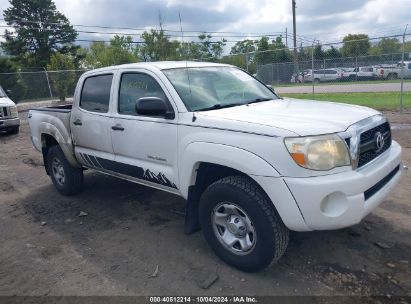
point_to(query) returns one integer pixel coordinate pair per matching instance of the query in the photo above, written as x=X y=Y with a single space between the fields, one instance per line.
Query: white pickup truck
x=251 y=165
x=394 y=72
x=9 y=117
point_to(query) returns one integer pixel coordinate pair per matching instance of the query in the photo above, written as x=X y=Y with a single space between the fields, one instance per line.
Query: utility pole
x=286 y=37
x=295 y=42
x=402 y=69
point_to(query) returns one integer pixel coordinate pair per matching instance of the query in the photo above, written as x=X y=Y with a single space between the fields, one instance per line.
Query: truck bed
x=63 y=108
x=53 y=121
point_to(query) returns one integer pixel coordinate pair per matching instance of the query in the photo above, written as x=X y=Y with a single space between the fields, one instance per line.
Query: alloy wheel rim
x=58 y=171
x=233 y=228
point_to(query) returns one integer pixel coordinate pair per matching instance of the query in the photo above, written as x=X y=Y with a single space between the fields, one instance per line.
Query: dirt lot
x=130 y=230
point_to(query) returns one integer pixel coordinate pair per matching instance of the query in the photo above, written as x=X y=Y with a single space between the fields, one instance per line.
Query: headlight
x=323 y=152
x=13 y=112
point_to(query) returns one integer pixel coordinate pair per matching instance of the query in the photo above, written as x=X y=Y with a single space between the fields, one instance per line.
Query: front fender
x=258 y=169
x=219 y=154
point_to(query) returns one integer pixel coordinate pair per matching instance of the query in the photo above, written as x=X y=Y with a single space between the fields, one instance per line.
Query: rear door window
x=95 y=95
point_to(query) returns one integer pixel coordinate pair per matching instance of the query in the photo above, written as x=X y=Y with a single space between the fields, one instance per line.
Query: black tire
x=271 y=235
x=317 y=80
x=73 y=177
x=15 y=130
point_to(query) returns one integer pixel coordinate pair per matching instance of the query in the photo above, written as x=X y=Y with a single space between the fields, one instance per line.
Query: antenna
x=188 y=74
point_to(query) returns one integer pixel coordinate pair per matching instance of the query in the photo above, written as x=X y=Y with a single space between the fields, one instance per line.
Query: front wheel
x=67 y=179
x=241 y=224
x=15 y=130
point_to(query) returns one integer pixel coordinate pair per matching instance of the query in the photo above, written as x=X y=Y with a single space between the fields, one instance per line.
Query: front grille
x=4 y=112
x=378 y=186
x=368 y=143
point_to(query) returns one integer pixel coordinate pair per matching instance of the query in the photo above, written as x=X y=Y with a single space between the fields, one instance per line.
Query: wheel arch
x=205 y=163
x=51 y=136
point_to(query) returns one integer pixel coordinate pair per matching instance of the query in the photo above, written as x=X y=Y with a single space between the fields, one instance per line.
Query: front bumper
x=344 y=199
x=8 y=124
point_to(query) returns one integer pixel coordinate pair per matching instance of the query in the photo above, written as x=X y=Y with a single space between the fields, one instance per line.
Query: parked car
x=297 y=78
x=392 y=73
x=359 y=73
x=348 y=74
x=251 y=165
x=366 y=73
x=323 y=75
x=9 y=117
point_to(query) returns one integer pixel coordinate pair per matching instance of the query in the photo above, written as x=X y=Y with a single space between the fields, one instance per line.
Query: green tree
x=189 y=50
x=156 y=46
x=318 y=52
x=332 y=52
x=389 y=45
x=64 y=77
x=356 y=45
x=120 y=50
x=281 y=53
x=263 y=55
x=11 y=80
x=244 y=46
x=39 y=31
x=304 y=53
x=209 y=49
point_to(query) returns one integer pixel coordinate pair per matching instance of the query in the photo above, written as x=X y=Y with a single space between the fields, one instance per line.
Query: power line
x=147 y=29
x=130 y=34
x=141 y=42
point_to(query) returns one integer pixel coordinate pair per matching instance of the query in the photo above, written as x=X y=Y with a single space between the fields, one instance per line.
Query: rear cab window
x=96 y=92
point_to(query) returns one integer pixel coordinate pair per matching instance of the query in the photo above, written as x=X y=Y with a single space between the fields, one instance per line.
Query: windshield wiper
x=220 y=106
x=258 y=100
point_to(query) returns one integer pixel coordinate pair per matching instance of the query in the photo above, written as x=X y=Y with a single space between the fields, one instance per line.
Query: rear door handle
x=117 y=128
x=77 y=122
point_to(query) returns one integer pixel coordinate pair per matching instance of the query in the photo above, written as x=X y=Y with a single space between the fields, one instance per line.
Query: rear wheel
x=67 y=179
x=241 y=224
x=392 y=76
x=316 y=80
x=351 y=78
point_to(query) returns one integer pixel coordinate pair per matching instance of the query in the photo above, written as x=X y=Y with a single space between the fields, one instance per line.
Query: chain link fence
x=379 y=65
x=374 y=65
x=40 y=84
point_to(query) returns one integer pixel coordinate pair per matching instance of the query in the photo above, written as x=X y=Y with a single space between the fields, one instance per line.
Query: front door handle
x=117 y=128
x=77 y=122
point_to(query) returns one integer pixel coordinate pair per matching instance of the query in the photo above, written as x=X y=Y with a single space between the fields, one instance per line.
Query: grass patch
x=378 y=100
x=310 y=84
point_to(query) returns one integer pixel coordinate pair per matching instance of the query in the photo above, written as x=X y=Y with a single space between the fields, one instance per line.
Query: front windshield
x=206 y=88
x=2 y=93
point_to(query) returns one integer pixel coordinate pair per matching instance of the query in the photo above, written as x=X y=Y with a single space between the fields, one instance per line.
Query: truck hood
x=303 y=117
x=6 y=102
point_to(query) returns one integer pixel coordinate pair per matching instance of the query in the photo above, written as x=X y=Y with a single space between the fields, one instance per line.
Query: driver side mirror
x=9 y=93
x=153 y=106
x=270 y=87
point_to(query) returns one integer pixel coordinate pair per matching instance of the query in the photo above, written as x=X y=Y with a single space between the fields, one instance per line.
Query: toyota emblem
x=379 y=141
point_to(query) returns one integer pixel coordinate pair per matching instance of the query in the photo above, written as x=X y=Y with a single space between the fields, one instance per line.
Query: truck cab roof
x=159 y=65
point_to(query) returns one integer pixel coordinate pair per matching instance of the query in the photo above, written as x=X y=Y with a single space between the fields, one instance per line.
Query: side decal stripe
x=133 y=171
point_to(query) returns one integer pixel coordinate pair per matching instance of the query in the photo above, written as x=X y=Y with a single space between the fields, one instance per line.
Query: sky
x=323 y=20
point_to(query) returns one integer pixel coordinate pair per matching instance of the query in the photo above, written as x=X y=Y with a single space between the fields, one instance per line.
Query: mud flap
x=192 y=223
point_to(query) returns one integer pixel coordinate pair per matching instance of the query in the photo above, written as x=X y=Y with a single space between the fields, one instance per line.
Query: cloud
x=320 y=19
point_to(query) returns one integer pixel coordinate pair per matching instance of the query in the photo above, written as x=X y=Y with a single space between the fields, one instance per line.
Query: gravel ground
x=130 y=241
